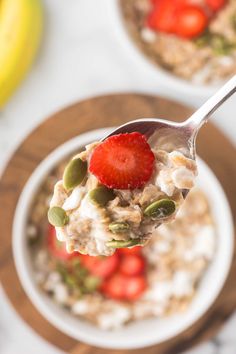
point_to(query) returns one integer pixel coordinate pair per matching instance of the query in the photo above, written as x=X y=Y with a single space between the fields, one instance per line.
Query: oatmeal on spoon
x=116 y=192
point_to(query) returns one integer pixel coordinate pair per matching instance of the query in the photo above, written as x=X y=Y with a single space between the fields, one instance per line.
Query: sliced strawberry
x=122 y=287
x=57 y=248
x=135 y=287
x=216 y=5
x=114 y=287
x=132 y=264
x=191 y=21
x=133 y=250
x=162 y=17
x=100 y=266
x=123 y=161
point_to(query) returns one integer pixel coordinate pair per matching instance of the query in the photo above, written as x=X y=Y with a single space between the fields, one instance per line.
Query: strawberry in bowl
x=116 y=192
x=134 y=283
x=121 y=276
x=194 y=40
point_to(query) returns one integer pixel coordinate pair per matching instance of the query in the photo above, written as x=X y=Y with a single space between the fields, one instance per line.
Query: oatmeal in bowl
x=116 y=192
x=158 y=280
x=191 y=40
x=166 y=282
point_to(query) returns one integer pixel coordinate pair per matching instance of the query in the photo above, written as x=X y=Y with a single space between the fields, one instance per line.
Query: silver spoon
x=179 y=136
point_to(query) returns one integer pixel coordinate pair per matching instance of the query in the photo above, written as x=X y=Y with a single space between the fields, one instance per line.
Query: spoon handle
x=211 y=105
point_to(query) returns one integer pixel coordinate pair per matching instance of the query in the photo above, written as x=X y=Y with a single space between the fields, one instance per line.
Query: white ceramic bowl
x=143 y=333
x=158 y=74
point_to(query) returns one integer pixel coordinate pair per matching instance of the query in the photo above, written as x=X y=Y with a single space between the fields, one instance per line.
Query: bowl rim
x=137 y=55
x=31 y=289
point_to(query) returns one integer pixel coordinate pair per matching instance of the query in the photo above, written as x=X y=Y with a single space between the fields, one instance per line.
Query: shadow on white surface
x=16 y=337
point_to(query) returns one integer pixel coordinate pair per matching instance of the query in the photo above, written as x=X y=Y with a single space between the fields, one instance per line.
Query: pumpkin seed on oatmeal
x=123 y=244
x=117 y=227
x=74 y=173
x=101 y=195
x=57 y=216
x=160 y=209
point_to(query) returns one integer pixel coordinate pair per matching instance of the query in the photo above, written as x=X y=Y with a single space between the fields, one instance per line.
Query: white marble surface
x=81 y=57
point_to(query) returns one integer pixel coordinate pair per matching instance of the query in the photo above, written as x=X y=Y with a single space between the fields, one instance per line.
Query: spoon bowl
x=169 y=135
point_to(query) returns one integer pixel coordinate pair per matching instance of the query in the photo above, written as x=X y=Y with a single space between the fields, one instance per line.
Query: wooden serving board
x=94 y=113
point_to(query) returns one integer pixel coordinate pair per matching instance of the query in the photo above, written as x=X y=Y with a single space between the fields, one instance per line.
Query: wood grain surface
x=94 y=113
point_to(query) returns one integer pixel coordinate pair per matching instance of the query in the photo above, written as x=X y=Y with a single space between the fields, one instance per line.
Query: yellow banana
x=21 y=23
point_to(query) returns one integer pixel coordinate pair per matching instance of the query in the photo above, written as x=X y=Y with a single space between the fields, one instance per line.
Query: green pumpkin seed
x=101 y=195
x=81 y=272
x=220 y=45
x=122 y=244
x=71 y=281
x=91 y=283
x=57 y=216
x=119 y=227
x=160 y=209
x=74 y=173
x=203 y=40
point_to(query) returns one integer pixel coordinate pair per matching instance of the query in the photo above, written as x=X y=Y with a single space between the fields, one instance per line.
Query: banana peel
x=21 y=24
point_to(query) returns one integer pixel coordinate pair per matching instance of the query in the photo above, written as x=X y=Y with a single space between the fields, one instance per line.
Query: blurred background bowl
x=159 y=74
x=142 y=333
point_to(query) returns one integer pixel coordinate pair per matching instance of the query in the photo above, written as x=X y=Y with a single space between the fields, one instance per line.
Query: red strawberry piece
x=133 y=250
x=114 y=287
x=191 y=21
x=123 y=161
x=154 y=2
x=122 y=287
x=57 y=248
x=100 y=266
x=135 y=287
x=216 y=5
x=132 y=264
x=162 y=17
